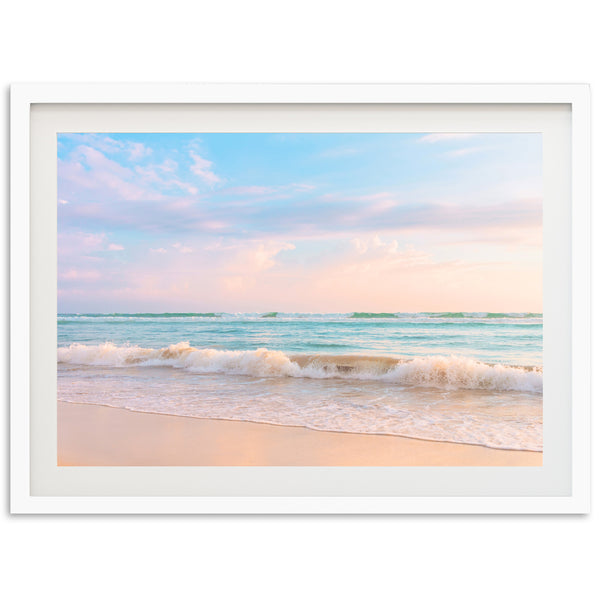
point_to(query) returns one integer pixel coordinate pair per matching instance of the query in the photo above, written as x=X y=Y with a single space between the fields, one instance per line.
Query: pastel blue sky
x=299 y=222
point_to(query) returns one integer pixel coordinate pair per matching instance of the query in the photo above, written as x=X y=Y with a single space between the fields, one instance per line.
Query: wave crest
x=446 y=372
x=369 y=315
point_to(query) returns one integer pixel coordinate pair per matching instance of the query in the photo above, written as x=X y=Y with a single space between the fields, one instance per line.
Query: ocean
x=473 y=378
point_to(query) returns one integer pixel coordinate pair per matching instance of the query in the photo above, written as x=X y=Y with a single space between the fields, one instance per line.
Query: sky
x=317 y=222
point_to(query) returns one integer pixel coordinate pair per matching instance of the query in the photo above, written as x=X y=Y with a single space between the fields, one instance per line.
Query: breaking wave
x=446 y=372
x=166 y=315
x=367 y=315
x=326 y=316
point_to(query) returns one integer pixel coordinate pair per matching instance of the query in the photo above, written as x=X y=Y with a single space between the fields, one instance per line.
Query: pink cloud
x=73 y=243
x=78 y=275
x=366 y=272
x=101 y=173
x=256 y=256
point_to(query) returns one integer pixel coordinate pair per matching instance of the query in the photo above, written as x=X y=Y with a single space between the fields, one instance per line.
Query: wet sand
x=92 y=435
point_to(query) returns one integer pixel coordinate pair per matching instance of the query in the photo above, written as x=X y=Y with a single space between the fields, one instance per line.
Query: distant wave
x=142 y=315
x=453 y=372
x=483 y=315
x=354 y=315
x=367 y=315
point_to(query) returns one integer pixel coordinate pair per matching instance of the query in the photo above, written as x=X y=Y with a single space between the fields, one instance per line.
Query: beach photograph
x=300 y=299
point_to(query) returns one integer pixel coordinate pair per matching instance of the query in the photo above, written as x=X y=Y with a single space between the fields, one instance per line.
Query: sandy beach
x=93 y=435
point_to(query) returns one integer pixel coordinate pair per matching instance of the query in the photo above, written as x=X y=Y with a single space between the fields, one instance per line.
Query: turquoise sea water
x=462 y=377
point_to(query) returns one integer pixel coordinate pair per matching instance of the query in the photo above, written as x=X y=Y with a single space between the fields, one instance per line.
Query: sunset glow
x=299 y=222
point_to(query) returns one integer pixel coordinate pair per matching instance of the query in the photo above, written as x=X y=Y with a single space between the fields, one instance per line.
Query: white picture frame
x=29 y=474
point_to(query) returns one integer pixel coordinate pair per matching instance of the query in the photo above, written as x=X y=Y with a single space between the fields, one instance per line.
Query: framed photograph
x=300 y=298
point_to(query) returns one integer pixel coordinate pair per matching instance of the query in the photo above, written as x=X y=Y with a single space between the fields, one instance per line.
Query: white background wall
x=516 y=41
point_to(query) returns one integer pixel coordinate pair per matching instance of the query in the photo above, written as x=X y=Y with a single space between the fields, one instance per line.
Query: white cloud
x=302 y=187
x=158 y=250
x=375 y=255
x=138 y=151
x=168 y=165
x=360 y=245
x=269 y=192
x=90 y=169
x=365 y=198
x=462 y=152
x=155 y=173
x=254 y=257
x=104 y=144
x=263 y=256
x=186 y=187
x=115 y=247
x=202 y=169
x=250 y=190
x=183 y=249
x=134 y=150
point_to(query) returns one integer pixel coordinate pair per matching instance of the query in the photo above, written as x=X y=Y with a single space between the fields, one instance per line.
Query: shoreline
x=97 y=435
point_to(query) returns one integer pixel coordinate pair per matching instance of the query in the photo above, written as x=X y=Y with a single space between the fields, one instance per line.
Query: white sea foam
x=446 y=372
x=457 y=372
